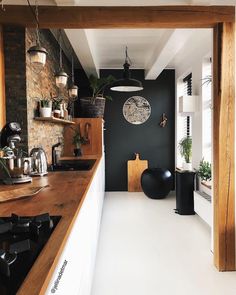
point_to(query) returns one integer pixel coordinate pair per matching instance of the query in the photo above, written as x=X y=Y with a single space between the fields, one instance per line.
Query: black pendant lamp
x=126 y=84
x=37 y=53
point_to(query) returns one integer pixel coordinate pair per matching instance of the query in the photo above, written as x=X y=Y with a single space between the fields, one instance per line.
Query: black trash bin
x=184 y=192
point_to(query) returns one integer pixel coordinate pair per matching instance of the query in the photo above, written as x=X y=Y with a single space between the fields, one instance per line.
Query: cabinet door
x=74 y=272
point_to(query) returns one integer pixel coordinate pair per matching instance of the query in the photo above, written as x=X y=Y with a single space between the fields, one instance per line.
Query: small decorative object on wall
x=163 y=120
x=136 y=110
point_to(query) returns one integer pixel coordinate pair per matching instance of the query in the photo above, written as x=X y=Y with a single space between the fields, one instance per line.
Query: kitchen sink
x=74 y=165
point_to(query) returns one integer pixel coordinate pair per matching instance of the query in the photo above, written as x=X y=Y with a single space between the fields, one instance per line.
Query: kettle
x=39 y=162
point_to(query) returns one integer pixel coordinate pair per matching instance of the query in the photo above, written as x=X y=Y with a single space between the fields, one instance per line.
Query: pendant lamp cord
x=2 y=5
x=60 y=49
x=36 y=16
x=72 y=69
x=127 y=58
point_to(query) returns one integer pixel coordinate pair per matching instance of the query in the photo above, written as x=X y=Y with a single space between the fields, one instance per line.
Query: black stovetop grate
x=21 y=241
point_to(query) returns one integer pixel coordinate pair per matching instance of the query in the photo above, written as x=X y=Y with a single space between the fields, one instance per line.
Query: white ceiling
x=149 y=49
x=110 y=46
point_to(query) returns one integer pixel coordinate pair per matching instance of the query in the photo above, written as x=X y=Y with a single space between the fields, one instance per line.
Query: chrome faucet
x=54 y=156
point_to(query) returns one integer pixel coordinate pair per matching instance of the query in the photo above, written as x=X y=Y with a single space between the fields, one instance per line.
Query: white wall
x=192 y=63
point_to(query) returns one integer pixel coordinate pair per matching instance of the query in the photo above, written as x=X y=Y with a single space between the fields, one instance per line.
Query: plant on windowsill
x=77 y=140
x=185 y=147
x=204 y=172
x=94 y=106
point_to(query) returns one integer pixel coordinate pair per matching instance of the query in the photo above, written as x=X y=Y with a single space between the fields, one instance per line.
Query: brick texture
x=24 y=87
x=15 y=81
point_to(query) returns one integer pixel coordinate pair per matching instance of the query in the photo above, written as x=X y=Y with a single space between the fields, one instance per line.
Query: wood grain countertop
x=63 y=197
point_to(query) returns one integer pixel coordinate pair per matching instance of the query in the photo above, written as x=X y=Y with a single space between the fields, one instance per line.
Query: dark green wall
x=122 y=139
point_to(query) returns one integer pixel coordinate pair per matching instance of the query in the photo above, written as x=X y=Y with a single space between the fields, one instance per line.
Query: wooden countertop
x=63 y=197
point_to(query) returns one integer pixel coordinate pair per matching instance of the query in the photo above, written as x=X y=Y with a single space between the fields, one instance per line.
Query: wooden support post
x=223 y=145
x=2 y=82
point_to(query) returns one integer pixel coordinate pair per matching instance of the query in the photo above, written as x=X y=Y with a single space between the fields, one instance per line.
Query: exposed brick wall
x=24 y=87
x=42 y=133
x=15 y=83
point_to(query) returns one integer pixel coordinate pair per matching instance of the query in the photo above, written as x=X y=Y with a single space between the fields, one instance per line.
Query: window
x=188 y=91
x=206 y=109
x=184 y=128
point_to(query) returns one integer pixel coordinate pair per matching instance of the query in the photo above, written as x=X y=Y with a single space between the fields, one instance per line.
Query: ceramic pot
x=57 y=113
x=45 y=112
x=187 y=166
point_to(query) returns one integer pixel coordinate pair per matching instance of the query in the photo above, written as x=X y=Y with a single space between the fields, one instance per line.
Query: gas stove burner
x=6 y=259
x=21 y=240
x=17 y=224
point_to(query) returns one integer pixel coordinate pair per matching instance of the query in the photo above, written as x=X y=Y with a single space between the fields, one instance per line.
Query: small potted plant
x=57 y=108
x=77 y=141
x=185 y=147
x=204 y=172
x=45 y=105
x=94 y=106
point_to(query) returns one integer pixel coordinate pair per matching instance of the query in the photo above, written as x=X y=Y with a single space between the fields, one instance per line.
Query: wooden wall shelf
x=54 y=120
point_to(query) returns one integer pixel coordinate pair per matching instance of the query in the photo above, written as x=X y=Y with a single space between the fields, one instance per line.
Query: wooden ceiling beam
x=119 y=17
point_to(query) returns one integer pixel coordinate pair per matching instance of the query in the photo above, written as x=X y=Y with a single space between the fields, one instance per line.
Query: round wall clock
x=136 y=110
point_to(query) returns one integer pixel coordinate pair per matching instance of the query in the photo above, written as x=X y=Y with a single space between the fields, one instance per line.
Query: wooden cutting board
x=135 y=170
x=19 y=193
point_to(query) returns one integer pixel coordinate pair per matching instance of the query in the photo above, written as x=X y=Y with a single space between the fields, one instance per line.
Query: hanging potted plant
x=77 y=141
x=204 y=172
x=185 y=147
x=94 y=106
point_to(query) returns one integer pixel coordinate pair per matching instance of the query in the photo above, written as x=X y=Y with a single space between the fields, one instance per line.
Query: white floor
x=147 y=249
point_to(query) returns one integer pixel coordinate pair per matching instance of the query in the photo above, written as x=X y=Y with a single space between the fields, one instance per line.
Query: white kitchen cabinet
x=74 y=272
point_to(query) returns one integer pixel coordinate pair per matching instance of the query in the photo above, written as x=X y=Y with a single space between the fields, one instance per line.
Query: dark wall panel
x=122 y=139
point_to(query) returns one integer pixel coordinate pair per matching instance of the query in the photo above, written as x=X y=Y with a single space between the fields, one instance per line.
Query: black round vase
x=156 y=182
x=77 y=152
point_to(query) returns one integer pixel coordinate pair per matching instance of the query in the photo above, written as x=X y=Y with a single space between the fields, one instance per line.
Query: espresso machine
x=17 y=165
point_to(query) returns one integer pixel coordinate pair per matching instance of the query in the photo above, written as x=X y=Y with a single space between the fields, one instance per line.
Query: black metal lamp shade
x=126 y=84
